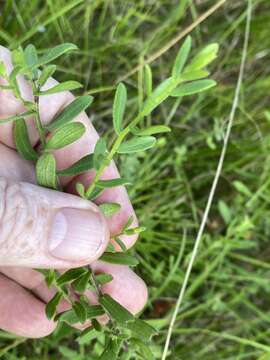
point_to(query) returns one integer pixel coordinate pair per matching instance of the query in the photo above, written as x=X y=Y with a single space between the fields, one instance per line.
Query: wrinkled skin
x=26 y=215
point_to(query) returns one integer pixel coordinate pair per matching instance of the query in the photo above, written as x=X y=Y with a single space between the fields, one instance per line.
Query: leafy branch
x=124 y=332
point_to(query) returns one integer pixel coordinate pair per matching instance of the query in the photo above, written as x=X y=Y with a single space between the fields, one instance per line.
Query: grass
x=225 y=312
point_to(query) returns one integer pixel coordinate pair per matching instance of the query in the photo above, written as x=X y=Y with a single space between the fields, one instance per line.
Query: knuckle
x=21 y=226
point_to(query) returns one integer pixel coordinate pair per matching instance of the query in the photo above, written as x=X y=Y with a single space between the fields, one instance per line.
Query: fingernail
x=77 y=235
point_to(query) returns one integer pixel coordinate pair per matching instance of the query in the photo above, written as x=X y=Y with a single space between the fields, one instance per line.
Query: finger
x=44 y=228
x=22 y=313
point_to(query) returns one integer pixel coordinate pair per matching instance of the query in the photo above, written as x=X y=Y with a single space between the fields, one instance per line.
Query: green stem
x=39 y=126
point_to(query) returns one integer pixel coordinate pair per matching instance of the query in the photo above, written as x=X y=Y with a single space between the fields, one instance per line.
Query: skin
x=23 y=291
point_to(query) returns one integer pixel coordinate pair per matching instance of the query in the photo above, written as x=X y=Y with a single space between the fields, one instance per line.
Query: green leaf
x=104 y=278
x=143 y=348
x=204 y=57
x=52 y=305
x=66 y=135
x=181 y=57
x=46 y=171
x=17 y=117
x=137 y=144
x=70 y=316
x=119 y=106
x=120 y=243
x=161 y=93
x=135 y=230
x=119 y=258
x=46 y=73
x=49 y=275
x=148 y=80
x=82 y=282
x=95 y=193
x=141 y=329
x=109 y=209
x=111 y=351
x=70 y=275
x=2 y=69
x=22 y=141
x=96 y=325
x=80 y=189
x=80 y=311
x=113 y=183
x=55 y=52
x=151 y=130
x=64 y=86
x=194 y=75
x=70 y=112
x=31 y=59
x=81 y=166
x=193 y=88
x=115 y=310
x=99 y=153
x=17 y=56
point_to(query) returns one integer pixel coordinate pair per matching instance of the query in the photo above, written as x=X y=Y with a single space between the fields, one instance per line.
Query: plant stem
x=39 y=126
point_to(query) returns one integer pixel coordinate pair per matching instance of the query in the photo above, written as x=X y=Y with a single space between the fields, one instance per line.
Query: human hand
x=42 y=228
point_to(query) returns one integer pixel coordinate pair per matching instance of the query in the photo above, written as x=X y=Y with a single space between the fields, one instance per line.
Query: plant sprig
x=124 y=332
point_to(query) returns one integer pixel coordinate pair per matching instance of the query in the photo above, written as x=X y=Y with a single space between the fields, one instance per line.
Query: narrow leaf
x=119 y=258
x=81 y=166
x=109 y=209
x=137 y=144
x=46 y=171
x=46 y=73
x=2 y=69
x=52 y=305
x=64 y=86
x=181 y=57
x=31 y=58
x=22 y=141
x=99 y=153
x=80 y=311
x=66 y=135
x=55 y=52
x=111 y=351
x=194 y=75
x=82 y=282
x=155 y=129
x=148 y=80
x=113 y=183
x=193 y=88
x=119 y=106
x=115 y=310
x=204 y=57
x=141 y=329
x=70 y=275
x=17 y=117
x=70 y=112
x=104 y=278
x=143 y=348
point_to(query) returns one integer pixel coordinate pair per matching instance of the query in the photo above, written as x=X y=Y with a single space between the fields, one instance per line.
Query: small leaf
x=194 y=75
x=104 y=278
x=80 y=189
x=70 y=275
x=2 y=69
x=49 y=275
x=193 y=88
x=17 y=117
x=181 y=57
x=82 y=282
x=109 y=209
x=99 y=153
x=22 y=141
x=52 y=305
x=111 y=351
x=143 y=348
x=159 y=95
x=96 y=325
x=31 y=59
x=46 y=171
x=55 y=52
x=95 y=193
x=115 y=310
x=113 y=183
x=66 y=135
x=204 y=57
x=80 y=311
x=148 y=80
x=120 y=243
x=81 y=166
x=119 y=258
x=70 y=112
x=64 y=86
x=70 y=316
x=137 y=144
x=135 y=230
x=119 y=106
x=151 y=130
x=141 y=329
x=46 y=73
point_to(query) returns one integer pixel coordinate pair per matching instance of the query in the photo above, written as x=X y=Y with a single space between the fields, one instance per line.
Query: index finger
x=49 y=106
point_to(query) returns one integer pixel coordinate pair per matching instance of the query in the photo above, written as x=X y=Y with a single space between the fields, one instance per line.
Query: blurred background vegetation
x=226 y=311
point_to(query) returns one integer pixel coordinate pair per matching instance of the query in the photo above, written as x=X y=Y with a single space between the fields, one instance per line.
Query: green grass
x=226 y=309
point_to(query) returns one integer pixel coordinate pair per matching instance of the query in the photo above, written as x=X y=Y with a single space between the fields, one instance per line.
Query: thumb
x=46 y=228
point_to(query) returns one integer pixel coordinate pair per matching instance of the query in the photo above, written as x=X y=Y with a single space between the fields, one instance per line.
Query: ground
x=225 y=312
